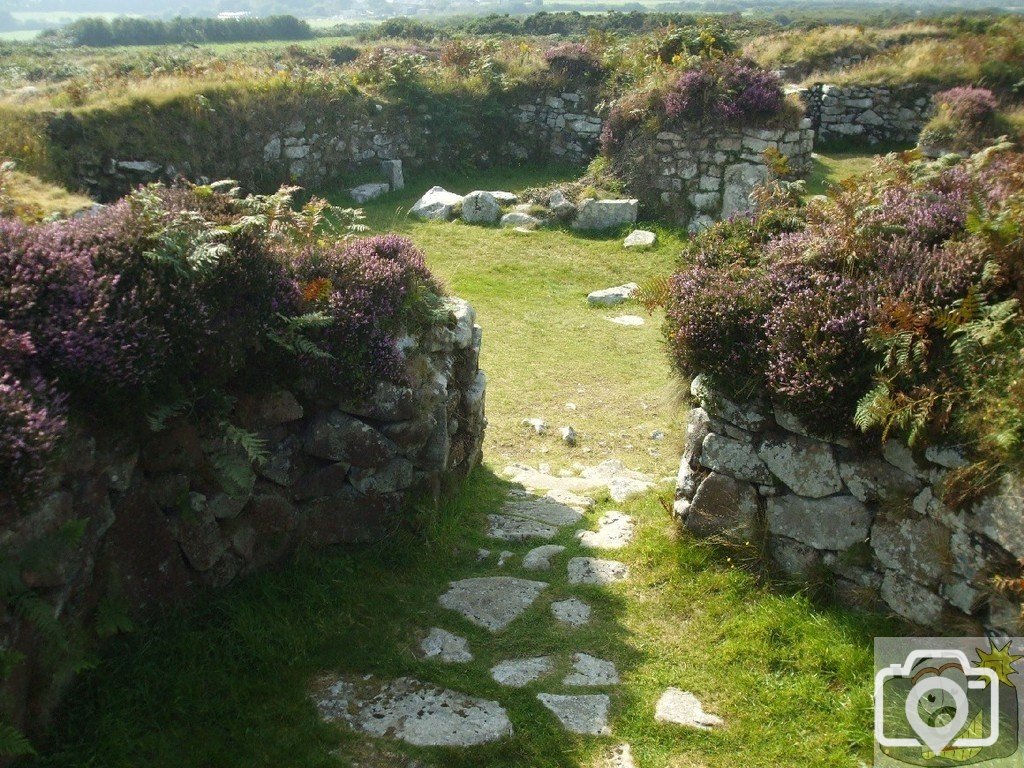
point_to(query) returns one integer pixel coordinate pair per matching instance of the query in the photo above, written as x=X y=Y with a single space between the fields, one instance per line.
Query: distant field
x=21 y=34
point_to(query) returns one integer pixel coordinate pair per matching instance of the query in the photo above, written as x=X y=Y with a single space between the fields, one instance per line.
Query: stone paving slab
x=492 y=602
x=572 y=611
x=620 y=757
x=614 y=531
x=515 y=673
x=586 y=714
x=683 y=708
x=539 y=558
x=591 y=671
x=506 y=528
x=413 y=711
x=543 y=509
x=620 y=481
x=593 y=570
x=442 y=644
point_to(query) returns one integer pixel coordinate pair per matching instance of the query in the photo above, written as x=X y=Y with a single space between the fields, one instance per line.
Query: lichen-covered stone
x=832 y=523
x=723 y=506
x=808 y=467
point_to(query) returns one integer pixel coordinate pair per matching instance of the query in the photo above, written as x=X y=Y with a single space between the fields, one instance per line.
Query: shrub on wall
x=169 y=300
x=878 y=307
x=727 y=90
x=965 y=119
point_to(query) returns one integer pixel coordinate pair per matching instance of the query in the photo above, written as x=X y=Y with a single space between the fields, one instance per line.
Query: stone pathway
x=426 y=715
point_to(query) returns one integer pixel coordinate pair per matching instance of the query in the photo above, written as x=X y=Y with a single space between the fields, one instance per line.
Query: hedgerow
x=174 y=298
x=890 y=306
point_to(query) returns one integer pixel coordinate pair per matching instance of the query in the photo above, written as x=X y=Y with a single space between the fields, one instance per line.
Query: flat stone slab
x=572 y=611
x=507 y=528
x=442 y=644
x=492 y=602
x=412 y=711
x=621 y=482
x=515 y=673
x=591 y=671
x=587 y=714
x=543 y=509
x=605 y=214
x=364 y=193
x=610 y=297
x=683 y=708
x=539 y=558
x=620 y=757
x=640 y=238
x=592 y=570
x=614 y=531
x=629 y=320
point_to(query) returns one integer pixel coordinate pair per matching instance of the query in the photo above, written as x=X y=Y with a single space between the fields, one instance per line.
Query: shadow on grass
x=226 y=681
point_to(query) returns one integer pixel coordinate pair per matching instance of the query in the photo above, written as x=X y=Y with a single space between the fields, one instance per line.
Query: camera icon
x=951 y=706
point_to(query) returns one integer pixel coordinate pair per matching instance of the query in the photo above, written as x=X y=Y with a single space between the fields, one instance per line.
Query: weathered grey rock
x=364 y=193
x=515 y=673
x=568 y=435
x=592 y=570
x=723 y=506
x=442 y=644
x=505 y=198
x=999 y=516
x=629 y=320
x=579 y=714
x=559 y=205
x=910 y=600
x=614 y=531
x=541 y=508
x=735 y=458
x=835 y=523
x=480 y=207
x=505 y=556
x=392 y=170
x=899 y=455
x=791 y=557
x=336 y=436
x=519 y=220
x=465 y=321
x=272 y=150
x=437 y=204
x=612 y=474
x=145 y=167
x=507 y=528
x=792 y=423
x=591 y=672
x=396 y=476
x=539 y=558
x=571 y=611
x=683 y=708
x=609 y=297
x=570 y=499
x=916 y=546
x=605 y=214
x=948 y=456
x=492 y=602
x=620 y=757
x=738 y=182
x=806 y=466
x=639 y=238
x=415 y=712
x=873 y=480
x=749 y=416
x=539 y=426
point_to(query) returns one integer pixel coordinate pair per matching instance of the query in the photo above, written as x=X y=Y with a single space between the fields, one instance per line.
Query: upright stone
x=392 y=170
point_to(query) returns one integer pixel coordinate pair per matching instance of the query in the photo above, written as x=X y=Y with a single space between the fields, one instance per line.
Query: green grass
x=834 y=165
x=226 y=683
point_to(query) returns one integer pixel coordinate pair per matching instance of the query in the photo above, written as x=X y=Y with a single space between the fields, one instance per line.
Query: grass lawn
x=226 y=683
x=832 y=166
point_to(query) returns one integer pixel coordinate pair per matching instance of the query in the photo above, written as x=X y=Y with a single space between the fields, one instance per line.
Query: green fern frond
x=159 y=416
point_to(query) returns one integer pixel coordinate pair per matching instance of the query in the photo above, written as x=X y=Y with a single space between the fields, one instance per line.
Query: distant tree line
x=100 y=33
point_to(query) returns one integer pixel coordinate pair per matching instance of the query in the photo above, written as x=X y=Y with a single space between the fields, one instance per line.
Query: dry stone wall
x=160 y=523
x=868 y=114
x=702 y=174
x=314 y=146
x=872 y=520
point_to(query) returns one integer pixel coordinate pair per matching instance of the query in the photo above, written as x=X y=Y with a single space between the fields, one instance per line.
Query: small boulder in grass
x=610 y=297
x=519 y=220
x=640 y=238
x=364 y=193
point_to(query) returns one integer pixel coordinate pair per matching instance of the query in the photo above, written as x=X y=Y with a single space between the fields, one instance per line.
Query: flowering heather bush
x=970 y=105
x=185 y=295
x=730 y=90
x=876 y=307
x=368 y=288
